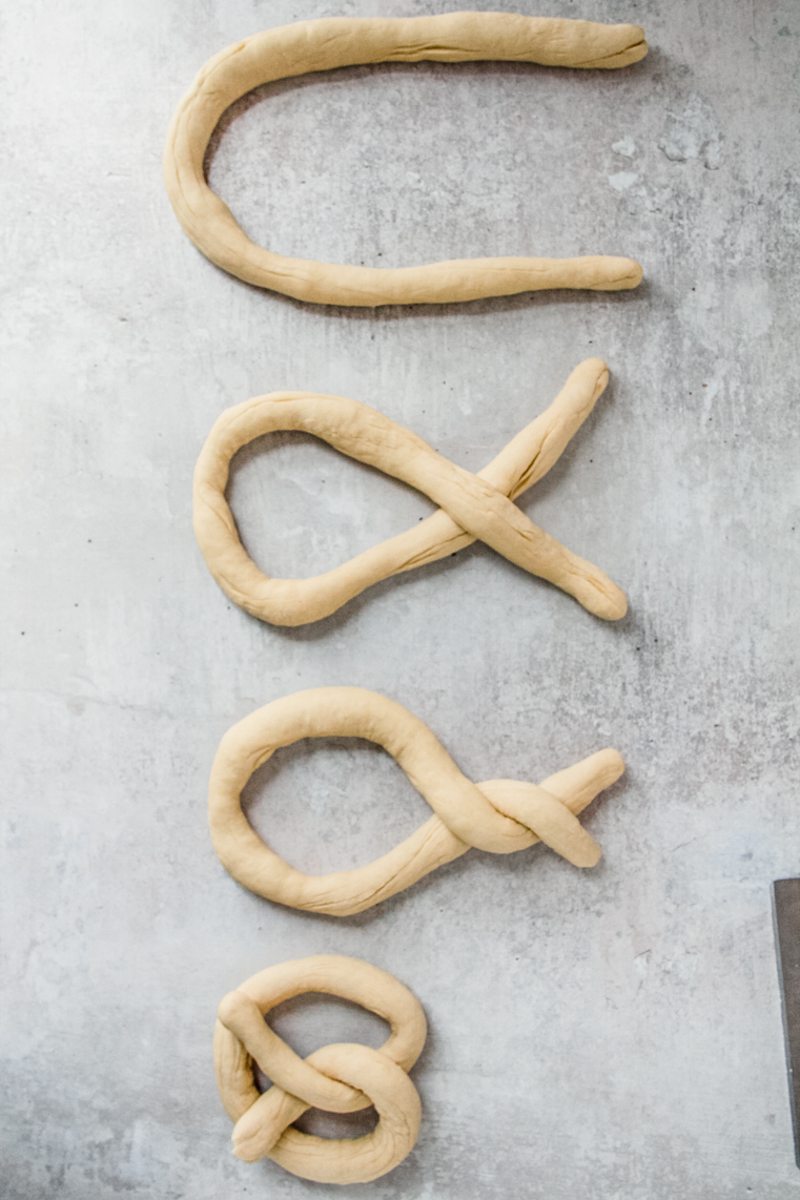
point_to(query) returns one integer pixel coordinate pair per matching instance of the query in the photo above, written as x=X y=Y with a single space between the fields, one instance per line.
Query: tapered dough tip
x=240 y=1149
x=640 y=48
x=591 y=857
x=605 y=600
x=608 y=766
x=614 y=761
x=599 y=370
x=613 y=273
x=635 y=273
x=633 y=47
x=618 y=606
x=245 y=1138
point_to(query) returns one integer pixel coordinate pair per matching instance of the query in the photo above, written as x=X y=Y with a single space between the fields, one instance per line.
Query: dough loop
x=472 y=507
x=339 y=1078
x=322 y=45
x=500 y=816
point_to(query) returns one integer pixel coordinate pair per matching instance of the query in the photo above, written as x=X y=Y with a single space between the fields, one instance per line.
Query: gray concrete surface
x=614 y=1034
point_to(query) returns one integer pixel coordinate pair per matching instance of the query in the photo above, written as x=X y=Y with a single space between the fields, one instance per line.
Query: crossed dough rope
x=339 y=1078
x=322 y=45
x=501 y=815
x=472 y=506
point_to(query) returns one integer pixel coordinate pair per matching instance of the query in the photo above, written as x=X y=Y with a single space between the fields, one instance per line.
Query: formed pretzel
x=472 y=506
x=346 y=41
x=501 y=815
x=340 y=1078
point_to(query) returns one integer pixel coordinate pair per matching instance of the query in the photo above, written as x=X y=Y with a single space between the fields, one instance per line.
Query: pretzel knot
x=501 y=815
x=471 y=507
x=339 y=1078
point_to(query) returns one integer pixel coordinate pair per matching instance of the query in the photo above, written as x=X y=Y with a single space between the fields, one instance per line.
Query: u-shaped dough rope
x=322 y=45
x=500 y=816
x=472 y=506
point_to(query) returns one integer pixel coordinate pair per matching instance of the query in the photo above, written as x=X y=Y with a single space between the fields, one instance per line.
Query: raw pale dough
x=340 y=1078
x=472 y=506
x=344 y=41
x=501 y=815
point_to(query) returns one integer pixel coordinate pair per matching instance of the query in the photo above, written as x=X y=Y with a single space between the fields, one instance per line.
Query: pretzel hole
x=409 y=161
x=331 y=506
x=338 y=1125
x=332 y=788
x=311 y=1020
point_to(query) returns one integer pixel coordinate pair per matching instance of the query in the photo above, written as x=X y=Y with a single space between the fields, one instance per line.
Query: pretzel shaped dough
x=340 y=1078
x=323 y=45
x=501 y=815
x=473 y=507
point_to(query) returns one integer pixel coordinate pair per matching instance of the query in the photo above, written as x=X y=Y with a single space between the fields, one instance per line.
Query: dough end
x=602 y=598
x=632 y=277
x=615 y=764
x=591 y=857
x=243 y=1149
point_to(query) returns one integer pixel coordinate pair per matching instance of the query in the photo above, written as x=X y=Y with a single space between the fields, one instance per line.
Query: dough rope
x=325 y=44
x=472 y=507
x=340 y=1078
x=500 y=816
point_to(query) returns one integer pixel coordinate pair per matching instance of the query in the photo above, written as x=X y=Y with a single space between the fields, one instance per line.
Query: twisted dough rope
x=472 y=506
x=345 y=41
x=501 y=815
x=339 y=1078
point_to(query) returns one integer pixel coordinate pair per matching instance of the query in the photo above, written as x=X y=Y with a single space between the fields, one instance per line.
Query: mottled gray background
x=612 y=1034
